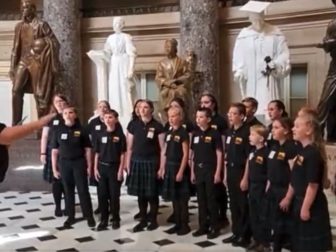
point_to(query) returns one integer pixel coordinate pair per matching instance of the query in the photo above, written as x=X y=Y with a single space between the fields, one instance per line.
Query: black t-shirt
x=308 y=168
x=53 y=125
x=4 y=157
x=258 y=165
x=237 y=146
x=219 y=123
x=146 y=140
x=110 y=146
x=205 y=144
x=174 y=140
x=71 y=141
x=277 y=162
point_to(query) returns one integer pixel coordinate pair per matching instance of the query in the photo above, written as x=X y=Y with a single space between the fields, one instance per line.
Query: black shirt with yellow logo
x=258 y=165
x=174 y=140
x=277 y=162
x=110 y=146
x=71 y=141
x=237 y=146
x=205 y=144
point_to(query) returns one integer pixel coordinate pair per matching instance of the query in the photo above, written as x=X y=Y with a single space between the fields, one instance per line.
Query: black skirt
x=173 y=190
x=314 y=234
x=142 y=180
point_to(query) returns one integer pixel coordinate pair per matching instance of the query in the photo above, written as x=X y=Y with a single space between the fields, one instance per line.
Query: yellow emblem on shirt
x=238 y=140
x=299 y=160
x=77 y=133
x=177 y=138
x=281 y=155
x=259 y=160
x=207 y=139
x=214 y=126
x=116 y=139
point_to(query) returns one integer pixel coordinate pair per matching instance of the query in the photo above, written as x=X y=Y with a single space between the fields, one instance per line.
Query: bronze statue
x=34 y=62
x=327 y=105
x=172 y=77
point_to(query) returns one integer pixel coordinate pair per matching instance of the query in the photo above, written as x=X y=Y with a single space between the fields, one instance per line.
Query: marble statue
x=121 y=53
x=260 y=58
x=327 y=105
x=172 y=77
x=34 y=62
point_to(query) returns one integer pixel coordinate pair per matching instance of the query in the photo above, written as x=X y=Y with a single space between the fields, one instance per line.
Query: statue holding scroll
x=34 y=62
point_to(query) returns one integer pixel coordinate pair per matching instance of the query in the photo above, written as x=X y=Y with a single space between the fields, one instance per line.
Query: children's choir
x=273 y=176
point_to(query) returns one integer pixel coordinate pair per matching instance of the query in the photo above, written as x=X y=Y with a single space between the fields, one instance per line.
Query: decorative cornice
x=13 y=15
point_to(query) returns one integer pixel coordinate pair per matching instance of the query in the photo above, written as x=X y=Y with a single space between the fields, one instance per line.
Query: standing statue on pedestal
x=34 y=62
x=260 y=58
x=172 y=77
x=121 y=54
x=327 y=105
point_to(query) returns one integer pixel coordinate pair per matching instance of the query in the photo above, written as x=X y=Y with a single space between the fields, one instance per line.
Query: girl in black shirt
x=59 y=103
x=145 y=142
x=176 y=176
x=312 y=230
x=276 y=109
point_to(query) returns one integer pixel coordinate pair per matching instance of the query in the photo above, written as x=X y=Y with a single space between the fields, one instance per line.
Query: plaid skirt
x=173 y=190
x=142 y=180
x=314 y=234
x=47 y=168
x=272 y=217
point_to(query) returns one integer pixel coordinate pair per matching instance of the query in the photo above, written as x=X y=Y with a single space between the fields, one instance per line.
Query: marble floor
x=27 y=223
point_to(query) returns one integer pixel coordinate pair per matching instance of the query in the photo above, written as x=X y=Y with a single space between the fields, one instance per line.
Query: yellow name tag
x=207 y=139
x=281 y=155
x=259 y=160
x=299 y=160
x=214 y=126
x=238 y=140
x=177 y=138
x=77 y=133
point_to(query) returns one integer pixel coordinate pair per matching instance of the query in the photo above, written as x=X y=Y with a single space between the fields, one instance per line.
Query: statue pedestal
x=100 y=60
x=331 y=161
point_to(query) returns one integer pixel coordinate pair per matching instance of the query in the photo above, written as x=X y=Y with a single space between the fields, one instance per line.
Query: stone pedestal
x=63 y=17
x=199 y=33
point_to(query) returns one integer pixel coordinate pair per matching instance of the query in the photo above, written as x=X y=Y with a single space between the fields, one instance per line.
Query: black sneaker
x=115 y=225
x=102 y=226
x=91 y=222
x=172 y=230
x=212 y=233
x=136 y=216
x=171 y=218
x=139 y=227
x=58 y=212
x=199 y=232
x=183 y=230
x=97 y=211
x=69 y=222
x=152 y=226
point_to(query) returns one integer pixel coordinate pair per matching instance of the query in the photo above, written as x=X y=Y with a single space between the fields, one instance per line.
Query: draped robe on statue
x=120 y=49
x=250 y=50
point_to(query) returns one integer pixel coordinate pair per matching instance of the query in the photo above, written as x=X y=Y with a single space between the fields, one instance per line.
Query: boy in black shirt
x=110 y=148
x=207 y=158
x=71 y=152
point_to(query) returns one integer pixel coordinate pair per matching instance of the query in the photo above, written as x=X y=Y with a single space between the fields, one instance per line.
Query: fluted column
x=64 y=18
x=199 y=32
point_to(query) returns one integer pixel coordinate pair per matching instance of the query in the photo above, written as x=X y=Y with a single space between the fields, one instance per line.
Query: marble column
x=64 y=18
x=199 y=33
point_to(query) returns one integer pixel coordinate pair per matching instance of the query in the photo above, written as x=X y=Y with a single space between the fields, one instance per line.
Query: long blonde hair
x=310 y=116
